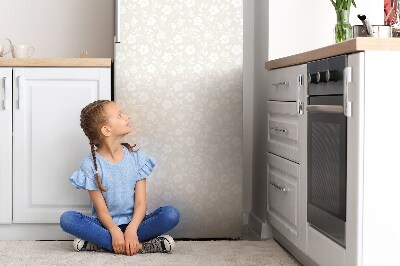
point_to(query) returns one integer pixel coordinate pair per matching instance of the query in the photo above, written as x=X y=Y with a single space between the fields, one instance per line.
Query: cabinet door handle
x=20 y=88
x=5 y=93
x=279 y=129
x=286 y=83
x=284 y=189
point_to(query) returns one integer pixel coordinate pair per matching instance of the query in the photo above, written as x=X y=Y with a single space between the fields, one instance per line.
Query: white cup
x=21 y=51
x=2 y=47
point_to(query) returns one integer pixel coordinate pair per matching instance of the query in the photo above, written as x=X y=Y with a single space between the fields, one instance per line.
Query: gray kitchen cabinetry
x=370 y=104
x=285 y=124
x=372 y=185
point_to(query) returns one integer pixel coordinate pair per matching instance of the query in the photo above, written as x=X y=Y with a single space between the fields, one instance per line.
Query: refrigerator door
x=178 y=74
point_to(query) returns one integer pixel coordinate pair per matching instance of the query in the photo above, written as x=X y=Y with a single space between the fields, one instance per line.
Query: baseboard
x=33 y=232
x=249 y=234
x=292 y=249
x=262 y=229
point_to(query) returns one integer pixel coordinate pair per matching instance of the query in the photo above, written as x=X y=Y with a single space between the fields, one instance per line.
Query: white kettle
x=2 y=47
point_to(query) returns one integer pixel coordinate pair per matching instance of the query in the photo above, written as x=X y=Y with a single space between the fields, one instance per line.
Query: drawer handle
x=279 y=187
x=280 y=129
x=284 y=83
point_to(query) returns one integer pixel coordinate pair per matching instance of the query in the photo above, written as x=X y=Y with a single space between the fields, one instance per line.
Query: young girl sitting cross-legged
x=115 y=176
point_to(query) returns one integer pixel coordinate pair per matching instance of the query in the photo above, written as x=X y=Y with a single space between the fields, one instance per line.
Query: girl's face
x=118 y=123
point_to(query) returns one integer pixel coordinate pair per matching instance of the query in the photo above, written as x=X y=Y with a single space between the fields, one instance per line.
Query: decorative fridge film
x=178 y=74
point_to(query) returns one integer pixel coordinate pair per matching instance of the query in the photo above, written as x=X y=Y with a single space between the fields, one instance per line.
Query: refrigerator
x=178 y=75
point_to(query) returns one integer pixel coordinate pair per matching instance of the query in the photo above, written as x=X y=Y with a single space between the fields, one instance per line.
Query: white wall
x=303 y=25
x=60 y=28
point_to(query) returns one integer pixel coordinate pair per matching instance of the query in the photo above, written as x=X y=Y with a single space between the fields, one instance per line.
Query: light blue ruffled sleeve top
x=118 y=178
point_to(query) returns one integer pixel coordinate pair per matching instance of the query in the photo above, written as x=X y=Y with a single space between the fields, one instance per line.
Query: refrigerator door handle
x=117 y=22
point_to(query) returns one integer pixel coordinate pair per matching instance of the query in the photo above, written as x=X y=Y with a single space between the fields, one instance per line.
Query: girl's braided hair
x=93 y=117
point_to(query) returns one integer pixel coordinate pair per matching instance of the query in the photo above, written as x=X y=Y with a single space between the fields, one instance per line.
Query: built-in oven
x=327 y=148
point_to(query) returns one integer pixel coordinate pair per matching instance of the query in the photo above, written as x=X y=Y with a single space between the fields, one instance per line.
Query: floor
x=222 y=252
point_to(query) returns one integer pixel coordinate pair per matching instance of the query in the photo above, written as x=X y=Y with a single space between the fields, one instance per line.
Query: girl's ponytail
x=96 y=173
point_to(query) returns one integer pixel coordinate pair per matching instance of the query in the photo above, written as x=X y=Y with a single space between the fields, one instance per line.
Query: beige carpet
x=219 y=253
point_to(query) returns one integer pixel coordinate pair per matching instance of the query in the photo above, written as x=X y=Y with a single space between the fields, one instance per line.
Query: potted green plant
x=343 y=29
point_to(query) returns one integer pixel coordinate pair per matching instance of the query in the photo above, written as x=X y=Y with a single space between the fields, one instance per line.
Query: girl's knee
x=172 y=214
x=67 y=219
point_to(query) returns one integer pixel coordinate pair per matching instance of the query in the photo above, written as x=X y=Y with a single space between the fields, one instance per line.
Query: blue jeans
x=88 y=228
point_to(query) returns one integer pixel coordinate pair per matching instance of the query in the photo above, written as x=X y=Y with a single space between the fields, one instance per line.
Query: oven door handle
x=335 y=109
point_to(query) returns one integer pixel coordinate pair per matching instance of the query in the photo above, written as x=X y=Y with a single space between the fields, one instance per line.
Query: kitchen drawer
x=284 y=83
x=283 y=130
x=283 y=196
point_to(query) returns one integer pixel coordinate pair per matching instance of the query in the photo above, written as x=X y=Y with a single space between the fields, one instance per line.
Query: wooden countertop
x=348 y=47
x=55 y=62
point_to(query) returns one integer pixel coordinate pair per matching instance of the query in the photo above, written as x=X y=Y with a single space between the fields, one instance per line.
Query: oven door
x=327 y=166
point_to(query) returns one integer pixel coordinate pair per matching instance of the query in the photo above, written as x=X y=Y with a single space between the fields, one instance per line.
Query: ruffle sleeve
x=84 y=178
x=145 y=164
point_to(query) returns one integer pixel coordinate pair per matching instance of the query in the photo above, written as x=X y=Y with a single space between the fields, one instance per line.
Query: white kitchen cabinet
x=48 y=144
x=283 y=196
x=373 y=159
x=283 y=83
x=6 y=146
x=285 y=127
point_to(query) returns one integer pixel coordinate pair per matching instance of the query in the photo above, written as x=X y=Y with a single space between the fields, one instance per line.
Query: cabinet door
x=284 y=83
x=5 y=146
x=283 y=196
x=283 y=130
x=48 y=141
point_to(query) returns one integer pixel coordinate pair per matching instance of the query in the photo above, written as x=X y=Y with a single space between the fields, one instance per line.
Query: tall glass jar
x=343 y=30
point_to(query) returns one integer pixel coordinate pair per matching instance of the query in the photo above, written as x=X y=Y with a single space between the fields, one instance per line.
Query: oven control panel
x=325 y=76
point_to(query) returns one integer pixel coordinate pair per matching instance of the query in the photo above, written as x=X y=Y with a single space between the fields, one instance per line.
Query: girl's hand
x=118 y=241
x=132 y=244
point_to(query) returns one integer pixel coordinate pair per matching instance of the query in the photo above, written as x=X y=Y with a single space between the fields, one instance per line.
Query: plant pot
x=343 y=30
